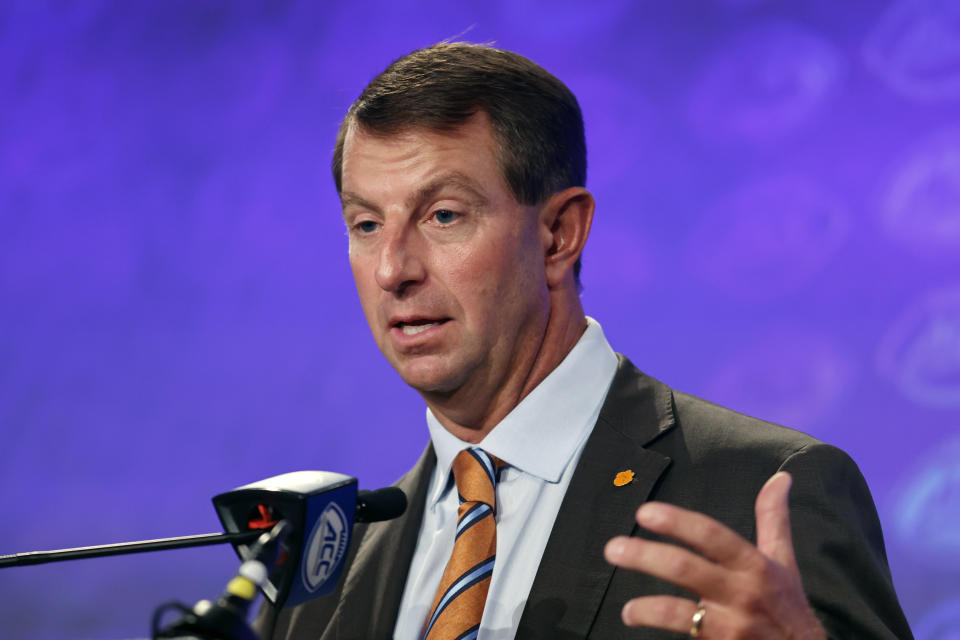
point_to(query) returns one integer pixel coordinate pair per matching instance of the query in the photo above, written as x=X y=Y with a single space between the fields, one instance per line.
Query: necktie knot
x=475 y=473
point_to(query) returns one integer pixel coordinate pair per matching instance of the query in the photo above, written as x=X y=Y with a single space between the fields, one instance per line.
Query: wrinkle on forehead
x=408 y=147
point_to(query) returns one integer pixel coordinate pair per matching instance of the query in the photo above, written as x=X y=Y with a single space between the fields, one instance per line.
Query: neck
x=470 y=416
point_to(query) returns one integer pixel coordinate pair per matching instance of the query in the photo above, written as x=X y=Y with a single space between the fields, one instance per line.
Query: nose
x=399 y=263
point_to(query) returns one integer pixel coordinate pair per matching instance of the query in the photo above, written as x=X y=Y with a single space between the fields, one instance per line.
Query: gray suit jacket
x=684 y=451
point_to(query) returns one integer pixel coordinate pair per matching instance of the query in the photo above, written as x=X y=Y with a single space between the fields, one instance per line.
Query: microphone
x=382 y=504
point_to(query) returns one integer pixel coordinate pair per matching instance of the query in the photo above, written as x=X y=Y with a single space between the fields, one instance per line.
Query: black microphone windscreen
x=382 y=504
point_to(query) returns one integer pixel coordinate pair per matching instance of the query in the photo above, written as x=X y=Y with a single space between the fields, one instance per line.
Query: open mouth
x=413 y=327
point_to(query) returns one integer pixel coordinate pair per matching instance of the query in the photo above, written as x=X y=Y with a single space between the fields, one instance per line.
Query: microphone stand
x=223 y=620
x=266 y=539
x=372 y=506
x=122 y=548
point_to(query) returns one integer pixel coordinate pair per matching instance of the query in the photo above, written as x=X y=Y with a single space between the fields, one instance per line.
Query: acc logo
x=325 y=547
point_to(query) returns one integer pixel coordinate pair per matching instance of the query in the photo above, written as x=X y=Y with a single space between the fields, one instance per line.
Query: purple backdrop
x=778 y=230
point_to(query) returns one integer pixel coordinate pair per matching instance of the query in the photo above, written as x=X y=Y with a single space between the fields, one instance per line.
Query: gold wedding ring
x=696 y=622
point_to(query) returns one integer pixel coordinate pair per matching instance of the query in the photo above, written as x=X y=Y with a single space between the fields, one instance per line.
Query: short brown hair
x=536 y=120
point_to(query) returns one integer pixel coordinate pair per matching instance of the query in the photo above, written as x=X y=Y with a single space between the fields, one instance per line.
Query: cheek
x=478 y=271
x=497 y=282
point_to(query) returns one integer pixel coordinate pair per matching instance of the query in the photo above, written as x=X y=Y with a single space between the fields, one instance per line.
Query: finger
x=773 y=520
x=711 y=538
x=668 y=562
x=662 y=612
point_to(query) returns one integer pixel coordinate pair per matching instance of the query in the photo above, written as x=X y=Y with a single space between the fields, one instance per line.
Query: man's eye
x=367 y=226
x=445 y=216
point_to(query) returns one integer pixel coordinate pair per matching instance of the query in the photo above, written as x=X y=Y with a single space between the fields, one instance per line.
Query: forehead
x=416 y=153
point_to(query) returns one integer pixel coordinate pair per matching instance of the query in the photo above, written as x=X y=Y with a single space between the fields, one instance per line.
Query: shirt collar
x=542 y=433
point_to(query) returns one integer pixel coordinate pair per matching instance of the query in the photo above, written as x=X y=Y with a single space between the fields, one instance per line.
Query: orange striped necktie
x=458 y=605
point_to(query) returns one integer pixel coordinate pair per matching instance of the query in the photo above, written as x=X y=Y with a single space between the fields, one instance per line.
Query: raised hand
x=745 y=591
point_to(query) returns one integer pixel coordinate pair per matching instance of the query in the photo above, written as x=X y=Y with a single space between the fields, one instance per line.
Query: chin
x=431 y=384
x=431 y=378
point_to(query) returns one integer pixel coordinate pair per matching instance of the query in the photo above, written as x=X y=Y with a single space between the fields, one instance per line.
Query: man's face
x=449 y=266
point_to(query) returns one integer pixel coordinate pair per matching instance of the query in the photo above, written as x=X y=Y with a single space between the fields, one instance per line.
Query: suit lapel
x=573 y=576
x=374 y=585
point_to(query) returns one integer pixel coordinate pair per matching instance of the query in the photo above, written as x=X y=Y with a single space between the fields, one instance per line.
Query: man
x=461 y=173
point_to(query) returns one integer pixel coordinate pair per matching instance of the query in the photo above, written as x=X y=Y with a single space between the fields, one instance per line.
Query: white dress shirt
x=541 y=440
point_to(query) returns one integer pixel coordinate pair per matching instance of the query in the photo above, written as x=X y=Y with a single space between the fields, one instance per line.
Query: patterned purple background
x=778 y=230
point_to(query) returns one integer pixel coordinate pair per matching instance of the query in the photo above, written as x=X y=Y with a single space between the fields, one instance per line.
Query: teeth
x=413 y=329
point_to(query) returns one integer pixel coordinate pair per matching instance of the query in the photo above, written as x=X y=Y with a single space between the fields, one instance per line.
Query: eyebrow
x=348 y=198
x=455 y=179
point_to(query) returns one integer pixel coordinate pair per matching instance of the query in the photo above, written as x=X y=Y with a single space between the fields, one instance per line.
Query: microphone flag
x=320 y=506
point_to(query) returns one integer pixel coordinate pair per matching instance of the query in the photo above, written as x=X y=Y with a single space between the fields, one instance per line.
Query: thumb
x=772 y=510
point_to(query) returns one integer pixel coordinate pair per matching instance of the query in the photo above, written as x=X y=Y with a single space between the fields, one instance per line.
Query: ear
x=565 y=222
